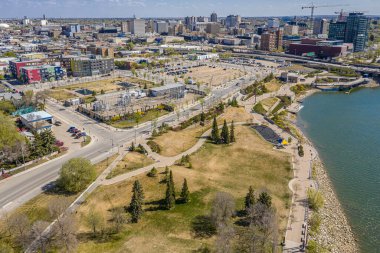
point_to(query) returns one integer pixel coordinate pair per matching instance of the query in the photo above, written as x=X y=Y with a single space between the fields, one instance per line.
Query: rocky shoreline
x=335 y=233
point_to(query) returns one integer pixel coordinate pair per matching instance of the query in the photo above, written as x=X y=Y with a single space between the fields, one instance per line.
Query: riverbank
x=335 y=233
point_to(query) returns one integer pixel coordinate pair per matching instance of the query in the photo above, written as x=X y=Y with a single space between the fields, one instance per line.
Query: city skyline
x=171 y=8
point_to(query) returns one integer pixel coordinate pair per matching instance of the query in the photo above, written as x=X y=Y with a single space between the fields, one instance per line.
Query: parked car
x=70 y=129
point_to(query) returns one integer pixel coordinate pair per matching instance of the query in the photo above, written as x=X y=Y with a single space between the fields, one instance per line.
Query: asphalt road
x=18 y=189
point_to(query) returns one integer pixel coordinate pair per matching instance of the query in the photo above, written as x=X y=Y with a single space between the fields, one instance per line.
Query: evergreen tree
x=232 y=132
x=215 y=137
x=225 y=133
x=172 y=183
x=185 y=194
x=265 y=199
x=132 y=147
x=250 y=198
x=135 y=207
x=203 y=117
x=170 y=193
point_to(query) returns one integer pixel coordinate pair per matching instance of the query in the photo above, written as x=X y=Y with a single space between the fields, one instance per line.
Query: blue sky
x=173 y=8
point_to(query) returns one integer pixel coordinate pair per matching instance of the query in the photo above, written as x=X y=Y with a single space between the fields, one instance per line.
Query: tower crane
x=312 y=7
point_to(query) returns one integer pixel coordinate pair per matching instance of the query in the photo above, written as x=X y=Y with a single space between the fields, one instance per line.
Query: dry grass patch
x=218 y=75
x=273 y=85
x=131 y=161
x=230 y=168
x=61 y=95
x=97 y=86
x=269 y=102
x=236 y=114
x=176 y=142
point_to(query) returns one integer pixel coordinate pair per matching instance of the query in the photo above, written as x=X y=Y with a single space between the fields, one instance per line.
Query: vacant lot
x=131 y=161
x=140 y=82
x=232 y=168
x=299 y=68
x=60 y=95
x=111 y=84
x=218 y=75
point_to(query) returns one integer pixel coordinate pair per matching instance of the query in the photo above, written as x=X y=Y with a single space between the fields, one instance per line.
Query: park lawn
x=148 y=116
x=131 y=161
x=230 y=168
x=273 y=85
x=269 y=102
x=173 y=143
x=61 y=95
x=236 y=114
x=110 y=84
x=176 y=142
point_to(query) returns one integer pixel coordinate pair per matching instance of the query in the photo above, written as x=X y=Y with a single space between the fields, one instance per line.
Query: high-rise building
x=202 y=19
x=213 y=28
x=136 y=26
x=214 y=17
x=290 y=30
x=357 y=30
x=337 y=30
x=268 y=42
x=320 y=26
x=233 y=21
x=161 y=27
x=124 y=27
x=272 y=40
x=273 y=23
x=189 y=22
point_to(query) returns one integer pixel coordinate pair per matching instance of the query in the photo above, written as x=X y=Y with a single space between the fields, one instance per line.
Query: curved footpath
x=335 y=232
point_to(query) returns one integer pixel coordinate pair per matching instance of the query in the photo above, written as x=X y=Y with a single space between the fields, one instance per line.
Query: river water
x=345 y=130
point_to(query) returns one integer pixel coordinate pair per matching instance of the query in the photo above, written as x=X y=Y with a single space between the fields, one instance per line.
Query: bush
x=314 y=247
x=154 y=146
x=152 y=172
x=314 y=223
x=300 y=151
x=315 y=198
x=76 y=174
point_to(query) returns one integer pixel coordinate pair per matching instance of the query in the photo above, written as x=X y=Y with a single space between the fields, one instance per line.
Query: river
x=345 y=130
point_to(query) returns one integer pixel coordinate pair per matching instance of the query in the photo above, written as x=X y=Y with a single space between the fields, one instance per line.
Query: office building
x=124 y=27
x=161 y=27
x=290 y=30
x=91 y=66
x=213 y=28
x=136 y=26
x=357 y=30
x=189 y=21
x=321 y=26
x=233 y=21
x=70 y=29
x=214 y=17
x=337 y=30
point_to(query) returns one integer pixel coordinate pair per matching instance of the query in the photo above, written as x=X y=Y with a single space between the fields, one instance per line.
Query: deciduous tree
x=76 y=174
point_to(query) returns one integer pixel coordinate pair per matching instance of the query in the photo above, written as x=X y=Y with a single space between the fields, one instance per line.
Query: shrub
x=315 y=198
x=154 y=146
x=152 y=172
x=258 y=108
x=300 y=151
x=314 y=223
